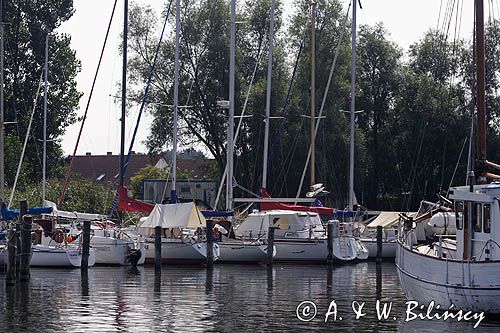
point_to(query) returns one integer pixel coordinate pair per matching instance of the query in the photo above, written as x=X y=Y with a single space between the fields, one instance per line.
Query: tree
x=28 y=24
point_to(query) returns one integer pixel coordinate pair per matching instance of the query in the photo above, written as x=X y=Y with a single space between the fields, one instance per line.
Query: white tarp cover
x=179 y=215
x=73 y=215
x=387 y=219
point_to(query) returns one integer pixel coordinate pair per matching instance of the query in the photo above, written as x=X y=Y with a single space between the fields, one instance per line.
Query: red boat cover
x=127 y=204
x=296 y=208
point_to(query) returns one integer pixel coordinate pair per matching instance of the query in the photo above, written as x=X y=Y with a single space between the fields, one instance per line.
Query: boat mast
x=173 y=192
x=313 y=92
x=353 y=98
x=2 y=167
x=230 y=127
x=46 y=88
x=124 y=98
x=480 y=91
x=268 y=96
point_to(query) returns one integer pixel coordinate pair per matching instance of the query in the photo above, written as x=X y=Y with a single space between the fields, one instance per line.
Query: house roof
x=106 y=167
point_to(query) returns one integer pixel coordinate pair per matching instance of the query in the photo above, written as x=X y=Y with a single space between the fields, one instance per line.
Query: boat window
x=459 y=211
x=477 y=217
x=487 y=218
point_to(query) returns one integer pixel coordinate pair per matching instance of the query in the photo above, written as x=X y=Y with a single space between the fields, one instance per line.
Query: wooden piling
x=10 y=276
x=26 y=247
x=85 y=246
x=158 y=248
x=329 y=230
x=23 y=210
x=379 y=243
x=270 y=245
x=210 y=243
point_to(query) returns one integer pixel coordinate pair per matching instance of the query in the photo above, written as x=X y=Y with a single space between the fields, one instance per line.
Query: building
x=105 y=168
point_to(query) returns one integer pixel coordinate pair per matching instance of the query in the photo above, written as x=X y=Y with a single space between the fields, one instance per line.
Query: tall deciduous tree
x=28 y=24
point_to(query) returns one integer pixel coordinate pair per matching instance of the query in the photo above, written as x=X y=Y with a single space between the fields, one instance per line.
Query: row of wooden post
x=19 y=248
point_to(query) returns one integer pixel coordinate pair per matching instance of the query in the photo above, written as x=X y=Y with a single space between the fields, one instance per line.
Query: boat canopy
x=387 y=219
x=10 y=214
x=73 y=215
x=178 y=215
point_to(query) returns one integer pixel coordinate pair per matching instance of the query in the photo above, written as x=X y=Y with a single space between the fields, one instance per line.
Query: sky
x=406 y=21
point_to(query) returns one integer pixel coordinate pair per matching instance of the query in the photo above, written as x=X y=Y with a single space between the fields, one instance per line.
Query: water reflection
x=194 y=299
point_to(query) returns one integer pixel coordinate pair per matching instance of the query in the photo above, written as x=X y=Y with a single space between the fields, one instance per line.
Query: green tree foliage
x=28 y=22
x=416 y=105
x=152 y=172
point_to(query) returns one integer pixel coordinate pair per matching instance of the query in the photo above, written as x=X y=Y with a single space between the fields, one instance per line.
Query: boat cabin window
x=459 y=212
x=477 y=217
x=487 y=218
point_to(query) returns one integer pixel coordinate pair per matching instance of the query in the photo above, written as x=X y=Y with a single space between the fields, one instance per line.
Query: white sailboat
x=179 y=244
x=234 y=249
x=54 y=247
x=300 y=236
x=461 y=270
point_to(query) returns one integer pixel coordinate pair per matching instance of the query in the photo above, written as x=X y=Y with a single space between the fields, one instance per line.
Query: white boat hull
x=388 y=248
x=467 y=285
x=238 y=251
x=305 y=250
x=48 y=256
x=177 y=251
x=114 y=251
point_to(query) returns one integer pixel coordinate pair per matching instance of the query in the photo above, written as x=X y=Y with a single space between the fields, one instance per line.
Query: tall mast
x=124 y=91
x=230 y=127
x=268 y=96
x=480 y=88
x=2 y=167
x=353 y=98
x=313 y=92
x=173 y=193
x=46 y=89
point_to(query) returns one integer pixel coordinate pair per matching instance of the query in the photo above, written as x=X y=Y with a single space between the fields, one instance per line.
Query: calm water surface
x=231 y=298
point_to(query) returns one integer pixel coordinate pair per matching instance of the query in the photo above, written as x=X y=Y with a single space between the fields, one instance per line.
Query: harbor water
x=230 y=298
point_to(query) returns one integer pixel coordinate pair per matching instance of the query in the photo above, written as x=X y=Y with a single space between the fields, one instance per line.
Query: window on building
x=477 y=217
x=487 y=218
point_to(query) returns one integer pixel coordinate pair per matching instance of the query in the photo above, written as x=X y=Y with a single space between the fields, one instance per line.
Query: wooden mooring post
x=210 y=243
x=329 y=230
x=270 y=245
x=26 y=225
x=85 y=246
x=10 y=276
x=379 y=244
x=158 y=248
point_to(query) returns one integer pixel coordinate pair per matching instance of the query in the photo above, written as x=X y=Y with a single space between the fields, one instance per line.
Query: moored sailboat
x=460 y=270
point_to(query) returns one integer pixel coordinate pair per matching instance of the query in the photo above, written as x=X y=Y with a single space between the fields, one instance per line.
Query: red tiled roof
x=94 y=166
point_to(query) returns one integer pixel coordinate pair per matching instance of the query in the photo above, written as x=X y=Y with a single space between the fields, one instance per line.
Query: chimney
x=88 y=153
x=109 y=153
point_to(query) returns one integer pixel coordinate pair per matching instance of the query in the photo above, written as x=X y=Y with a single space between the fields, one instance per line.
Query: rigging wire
x=68 y=173
x=35 y=102
x=327 y=88
x=143 y=104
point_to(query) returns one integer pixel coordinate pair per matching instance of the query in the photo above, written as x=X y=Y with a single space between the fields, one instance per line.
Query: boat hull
x=305 y=250
x=388 y=248
x=114 y=251
x=467 y=285
x=244 y=252
x=47 y=256
x=179 y=252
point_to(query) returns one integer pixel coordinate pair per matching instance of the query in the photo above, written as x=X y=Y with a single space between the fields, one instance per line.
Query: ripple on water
x=191 y=299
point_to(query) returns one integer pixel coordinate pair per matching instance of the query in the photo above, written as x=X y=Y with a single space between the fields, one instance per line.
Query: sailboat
x=52 y=249
x=234 y=249
x=461 y=270
x=300 y=234
x=182 y=223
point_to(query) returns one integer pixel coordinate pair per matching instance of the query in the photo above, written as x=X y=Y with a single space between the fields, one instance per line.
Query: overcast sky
x=406 y=20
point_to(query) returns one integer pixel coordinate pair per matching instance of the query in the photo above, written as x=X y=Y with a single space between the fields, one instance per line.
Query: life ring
x=58 y=236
